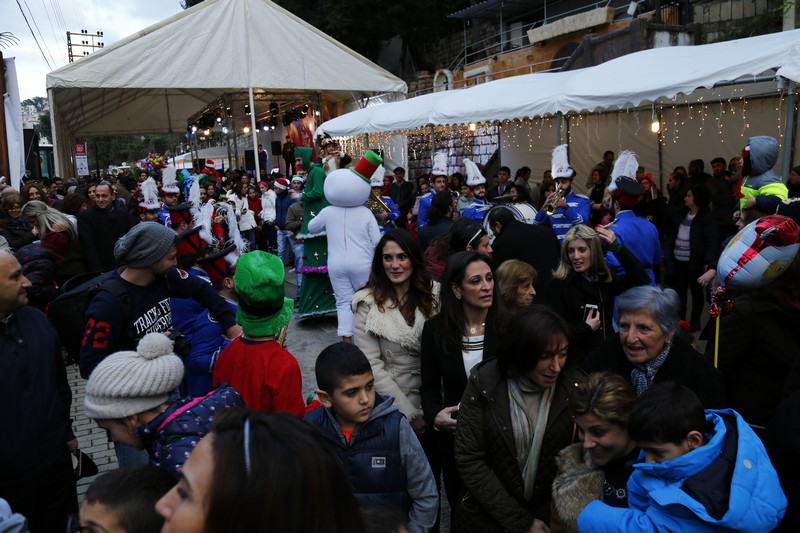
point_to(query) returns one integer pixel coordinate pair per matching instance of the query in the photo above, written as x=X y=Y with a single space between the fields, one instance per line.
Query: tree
x=44 y=126
x=39 y=102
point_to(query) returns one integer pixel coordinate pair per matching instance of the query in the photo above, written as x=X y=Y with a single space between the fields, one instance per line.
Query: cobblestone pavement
x=305 y=339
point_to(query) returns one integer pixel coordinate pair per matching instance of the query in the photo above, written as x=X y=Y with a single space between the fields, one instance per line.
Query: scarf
x=642 y=375
x=530 y=406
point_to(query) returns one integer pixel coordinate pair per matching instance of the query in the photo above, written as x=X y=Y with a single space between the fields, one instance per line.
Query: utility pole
x=87 y=42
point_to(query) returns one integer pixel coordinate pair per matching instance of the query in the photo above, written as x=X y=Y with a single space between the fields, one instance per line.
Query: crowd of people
x=541 y=374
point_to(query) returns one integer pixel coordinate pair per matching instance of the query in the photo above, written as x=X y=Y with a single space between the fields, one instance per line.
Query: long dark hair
x=440 y=205
x=283 y=491
x=529 y=335
x=465 y=232
x=453 y=317
x=419 y=293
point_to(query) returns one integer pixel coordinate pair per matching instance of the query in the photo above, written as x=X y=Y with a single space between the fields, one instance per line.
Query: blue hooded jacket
x=728 y=484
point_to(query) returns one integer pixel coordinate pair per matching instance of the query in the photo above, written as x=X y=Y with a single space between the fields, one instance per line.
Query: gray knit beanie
x=127 y=383
x=144 y=245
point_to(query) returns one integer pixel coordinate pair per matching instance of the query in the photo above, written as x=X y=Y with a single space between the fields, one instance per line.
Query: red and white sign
x=81 y=159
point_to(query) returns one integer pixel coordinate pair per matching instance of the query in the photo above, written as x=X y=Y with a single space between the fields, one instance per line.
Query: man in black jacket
x=36 y=475
x=536 y=245
x=100 y=226
x=402 y=192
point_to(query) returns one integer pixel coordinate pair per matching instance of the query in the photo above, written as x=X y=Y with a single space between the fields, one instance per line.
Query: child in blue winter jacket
x=382 y=458
x=702 y=471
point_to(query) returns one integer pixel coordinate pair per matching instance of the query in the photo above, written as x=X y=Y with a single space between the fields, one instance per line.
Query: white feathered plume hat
x=560 y=163
x=169 y=180
x=377 y=177
x=439 y=164
x=474 y=176
x=625 y=166
x=150 y=201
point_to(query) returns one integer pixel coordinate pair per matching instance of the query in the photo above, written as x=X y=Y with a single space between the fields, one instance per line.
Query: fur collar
x=578 y=483
x=390 y=323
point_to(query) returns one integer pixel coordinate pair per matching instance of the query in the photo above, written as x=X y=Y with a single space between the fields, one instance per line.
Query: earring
x=458 y=295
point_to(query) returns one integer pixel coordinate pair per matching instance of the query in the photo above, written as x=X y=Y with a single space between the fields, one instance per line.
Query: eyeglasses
x=14 y=208
x=74 y=526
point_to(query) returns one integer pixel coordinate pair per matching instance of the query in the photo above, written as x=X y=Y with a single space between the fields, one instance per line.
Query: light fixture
x=225 y=130
x=219 y=116
x=247 y=109
x=273 y=127
x=229 y=111
x=316 y=112
x=473 y=126
x=206 y=132
x=265 y=127
x=655 y=126
x=194 y=128
x=246 y=129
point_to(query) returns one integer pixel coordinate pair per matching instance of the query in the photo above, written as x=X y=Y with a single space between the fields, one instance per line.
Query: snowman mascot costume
x=352 y=233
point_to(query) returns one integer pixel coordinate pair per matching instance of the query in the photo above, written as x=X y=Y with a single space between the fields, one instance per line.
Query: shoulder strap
x=183 y=409
x=117 y=289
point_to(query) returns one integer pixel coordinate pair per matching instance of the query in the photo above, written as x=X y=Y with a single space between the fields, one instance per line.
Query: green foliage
x=39 y=102
x=44 y=128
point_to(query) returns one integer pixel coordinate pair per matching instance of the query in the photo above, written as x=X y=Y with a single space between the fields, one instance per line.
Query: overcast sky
x=51 y=19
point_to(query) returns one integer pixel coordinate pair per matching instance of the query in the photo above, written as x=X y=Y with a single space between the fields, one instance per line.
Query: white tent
x=157 y=78
x=627 y=81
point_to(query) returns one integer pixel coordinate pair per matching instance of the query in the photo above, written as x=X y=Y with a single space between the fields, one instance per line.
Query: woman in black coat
x=583 y=289
x=514 y=420
x=692 y=249
x=464 y=333
x=646 y=350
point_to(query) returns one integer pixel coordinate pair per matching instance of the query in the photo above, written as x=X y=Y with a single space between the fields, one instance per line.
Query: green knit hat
x=263 y=307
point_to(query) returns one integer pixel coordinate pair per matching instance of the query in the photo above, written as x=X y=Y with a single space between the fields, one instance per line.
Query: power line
x=34 y=35
x=41 y=36
x=52 y=28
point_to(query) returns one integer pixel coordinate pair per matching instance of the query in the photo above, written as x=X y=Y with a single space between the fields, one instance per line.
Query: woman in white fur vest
x=389 y=314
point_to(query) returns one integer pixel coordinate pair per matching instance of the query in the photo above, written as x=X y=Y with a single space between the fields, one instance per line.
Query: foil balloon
x=759 y=253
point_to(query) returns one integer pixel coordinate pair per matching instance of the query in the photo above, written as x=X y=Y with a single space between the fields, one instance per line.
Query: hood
x=763 y=154
x=304 y=153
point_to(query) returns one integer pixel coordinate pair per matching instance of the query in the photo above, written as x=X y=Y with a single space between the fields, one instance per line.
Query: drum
x=523 y=211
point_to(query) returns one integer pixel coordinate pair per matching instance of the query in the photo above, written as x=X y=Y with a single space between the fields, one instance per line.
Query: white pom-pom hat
x=128 y=383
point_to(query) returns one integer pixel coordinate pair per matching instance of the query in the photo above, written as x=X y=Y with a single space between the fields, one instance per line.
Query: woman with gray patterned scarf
x=646 y=351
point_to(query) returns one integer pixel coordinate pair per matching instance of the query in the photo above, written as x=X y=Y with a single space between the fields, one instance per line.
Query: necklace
x=474 y=329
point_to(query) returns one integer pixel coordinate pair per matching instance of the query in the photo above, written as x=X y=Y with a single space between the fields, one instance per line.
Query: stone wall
x=724 y=20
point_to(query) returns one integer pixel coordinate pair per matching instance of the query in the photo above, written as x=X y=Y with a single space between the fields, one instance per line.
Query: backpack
x=68 y=311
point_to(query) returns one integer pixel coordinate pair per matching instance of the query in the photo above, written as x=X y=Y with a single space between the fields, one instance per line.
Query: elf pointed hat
x=559 y=166
x=150 y=201
x=377 y=177
x=439 y=164
x=474 y=176
x=169 y=181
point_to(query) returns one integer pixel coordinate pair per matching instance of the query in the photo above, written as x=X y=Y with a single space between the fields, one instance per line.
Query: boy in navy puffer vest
x=380 y=453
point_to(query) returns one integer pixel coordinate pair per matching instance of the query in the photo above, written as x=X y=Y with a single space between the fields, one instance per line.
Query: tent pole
x=788 y=140
x=57 y=159
x=169 y=125
x=433 y=142
x=254 y=132
x=659 y=138
x=235 y=136
x=558 y=128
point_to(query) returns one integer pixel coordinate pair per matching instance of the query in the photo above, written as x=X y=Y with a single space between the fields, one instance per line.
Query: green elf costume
x=316 y=293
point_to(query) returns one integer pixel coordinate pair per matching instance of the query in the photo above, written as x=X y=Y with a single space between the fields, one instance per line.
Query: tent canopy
x=628 y=81
x=157 y=78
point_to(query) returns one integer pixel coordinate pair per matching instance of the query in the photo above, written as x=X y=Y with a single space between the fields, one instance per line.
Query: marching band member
x=477 y=183
x=438 y=177
x=383 y=207
x=570 y=208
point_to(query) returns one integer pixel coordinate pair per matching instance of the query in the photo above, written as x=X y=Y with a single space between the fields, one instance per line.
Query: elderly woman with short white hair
x=646 y=350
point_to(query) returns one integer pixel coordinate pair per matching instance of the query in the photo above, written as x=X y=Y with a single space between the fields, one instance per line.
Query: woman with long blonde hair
x=583 y=288
x=44 y=220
